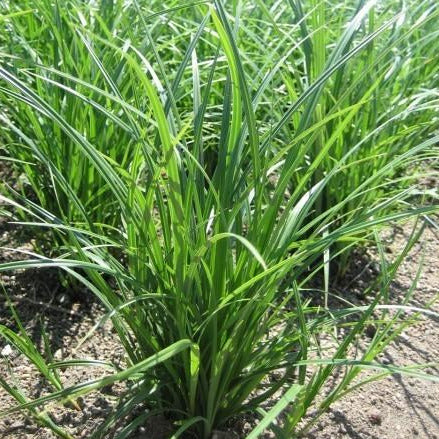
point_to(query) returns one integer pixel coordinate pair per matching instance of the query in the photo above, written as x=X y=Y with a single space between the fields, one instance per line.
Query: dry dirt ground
x=397 y=407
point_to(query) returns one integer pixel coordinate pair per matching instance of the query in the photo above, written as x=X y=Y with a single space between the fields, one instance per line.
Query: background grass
x=198 y=164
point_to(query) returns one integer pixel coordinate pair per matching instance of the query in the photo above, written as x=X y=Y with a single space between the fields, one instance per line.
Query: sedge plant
x=199 y=182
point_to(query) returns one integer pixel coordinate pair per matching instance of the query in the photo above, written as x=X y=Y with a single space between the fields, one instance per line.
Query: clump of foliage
x=198 y=165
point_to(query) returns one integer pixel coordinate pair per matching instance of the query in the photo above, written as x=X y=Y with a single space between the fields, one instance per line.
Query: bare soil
x=397 y=407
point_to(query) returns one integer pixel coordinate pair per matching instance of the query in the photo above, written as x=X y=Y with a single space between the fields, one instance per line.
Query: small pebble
x=371 y=331
x=375 y=418
x=63 y=299
x=95 y=411
x=6 y=351
x=404 y=337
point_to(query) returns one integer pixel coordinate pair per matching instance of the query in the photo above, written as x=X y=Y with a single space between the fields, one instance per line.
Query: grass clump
x=198 y=165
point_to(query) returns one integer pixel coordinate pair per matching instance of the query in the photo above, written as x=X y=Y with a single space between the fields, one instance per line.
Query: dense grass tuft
x=197 y=165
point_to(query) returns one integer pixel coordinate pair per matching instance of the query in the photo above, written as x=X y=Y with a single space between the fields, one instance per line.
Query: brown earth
x=397 y=407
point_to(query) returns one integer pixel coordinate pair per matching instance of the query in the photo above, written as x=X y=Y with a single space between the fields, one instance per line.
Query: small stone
x=95 y=411
x=375 y=418
x=16 y=425
x=63 y=299
x=375 y=267
x=404 y=337
x=371 y=331
x=6 y=351
x=107 y=390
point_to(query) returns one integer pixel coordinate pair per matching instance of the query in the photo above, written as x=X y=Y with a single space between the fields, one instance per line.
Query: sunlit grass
x=209 y=162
